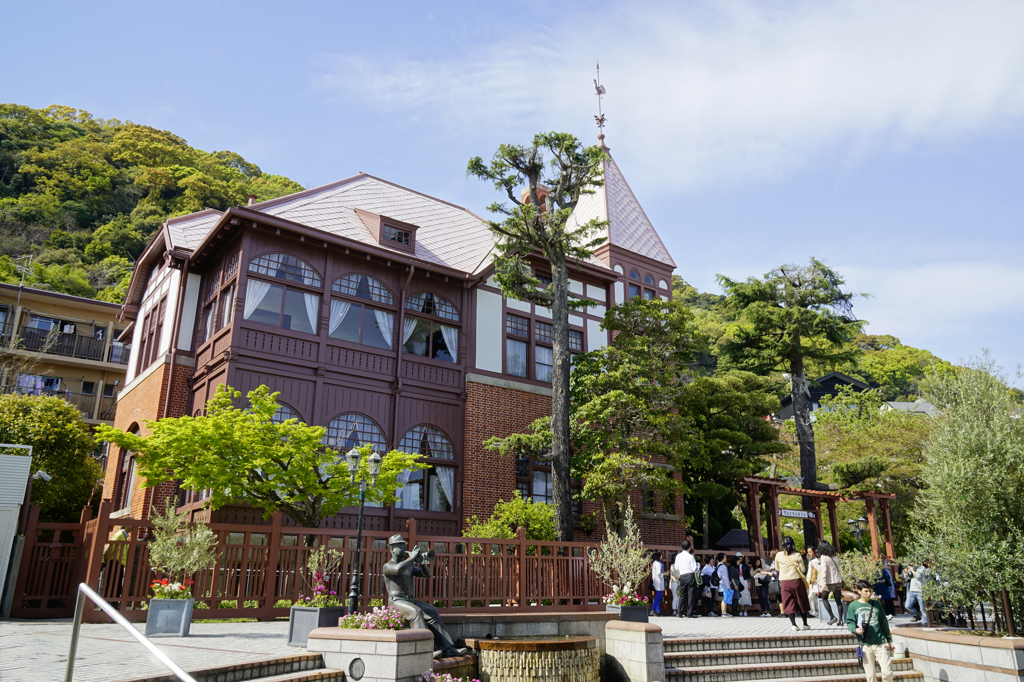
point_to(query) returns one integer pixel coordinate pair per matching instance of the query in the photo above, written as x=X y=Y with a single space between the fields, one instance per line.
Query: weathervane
x=600 y=119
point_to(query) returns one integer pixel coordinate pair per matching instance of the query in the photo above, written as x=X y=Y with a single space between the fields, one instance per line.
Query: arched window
x=125 y=476
x=432 y=304
x=432 y=489
x=286 y=267
x=347 y=431
x=633 y=274
x=648 y=280
x=359 y=323
x=284 y=413
x=428 y=338
x=428 y=441
x=364 y=286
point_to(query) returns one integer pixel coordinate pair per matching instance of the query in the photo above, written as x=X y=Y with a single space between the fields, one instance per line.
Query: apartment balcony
x=93 y=408
x=52 y=342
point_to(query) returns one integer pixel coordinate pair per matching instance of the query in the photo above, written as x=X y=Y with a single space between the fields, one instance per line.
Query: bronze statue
x=398 y=578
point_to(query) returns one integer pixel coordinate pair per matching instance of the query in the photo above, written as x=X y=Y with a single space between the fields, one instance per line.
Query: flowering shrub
x=431 y=676
x=381 y=618
x=321 y=565
x=624 y=597
x=164 y=589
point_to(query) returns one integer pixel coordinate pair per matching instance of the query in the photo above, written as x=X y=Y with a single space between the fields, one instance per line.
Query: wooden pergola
x=773 y=487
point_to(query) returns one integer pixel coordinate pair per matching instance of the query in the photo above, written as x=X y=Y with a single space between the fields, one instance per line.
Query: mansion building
x=371 y=308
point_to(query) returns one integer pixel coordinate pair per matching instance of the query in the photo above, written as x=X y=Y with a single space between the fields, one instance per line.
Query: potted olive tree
x=177 y=553
x=320 y=605
x=623 y=563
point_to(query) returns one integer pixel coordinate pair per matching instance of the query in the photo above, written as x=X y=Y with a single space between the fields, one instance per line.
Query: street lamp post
x=373 y=464
x=855 y=527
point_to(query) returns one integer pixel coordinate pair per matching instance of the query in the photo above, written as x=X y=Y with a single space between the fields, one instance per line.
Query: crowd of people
x=723 y=586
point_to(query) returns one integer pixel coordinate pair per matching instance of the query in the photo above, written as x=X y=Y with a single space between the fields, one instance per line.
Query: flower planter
x=631 y=614
x=304 y=619
x=169 y=616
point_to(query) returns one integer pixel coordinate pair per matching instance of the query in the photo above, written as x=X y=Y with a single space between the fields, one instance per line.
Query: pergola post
x=873 y=526
x=755 y=511
x=817 y=519
x=775 y=537
x=890 y=547
x=833 y=523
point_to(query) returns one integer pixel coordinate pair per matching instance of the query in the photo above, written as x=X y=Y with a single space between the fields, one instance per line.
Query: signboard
x=797 y=514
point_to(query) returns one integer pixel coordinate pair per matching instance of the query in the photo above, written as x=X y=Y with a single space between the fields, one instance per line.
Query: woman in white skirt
x=745 y=601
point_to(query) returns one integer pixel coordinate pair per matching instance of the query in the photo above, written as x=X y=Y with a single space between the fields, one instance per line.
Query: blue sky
x=886 y=138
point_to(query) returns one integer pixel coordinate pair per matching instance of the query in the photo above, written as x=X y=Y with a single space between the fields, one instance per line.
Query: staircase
x=300 y=668
x=829 y=657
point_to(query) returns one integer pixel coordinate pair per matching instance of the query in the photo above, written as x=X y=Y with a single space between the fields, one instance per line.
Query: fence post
x=94 y=557
x=521 y=551
x=266 y=612
x=31 y=535
x=1011 y=627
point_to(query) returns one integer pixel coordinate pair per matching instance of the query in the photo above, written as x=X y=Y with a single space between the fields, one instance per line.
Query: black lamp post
x=373 y=464
x=855 y=527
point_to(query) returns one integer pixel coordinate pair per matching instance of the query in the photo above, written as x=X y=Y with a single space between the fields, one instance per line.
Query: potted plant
x=623 y=561
x=631 y=606
x=321 y=607
x=177 y=554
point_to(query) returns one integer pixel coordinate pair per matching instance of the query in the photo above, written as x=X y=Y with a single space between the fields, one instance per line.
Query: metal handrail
x=86 y=591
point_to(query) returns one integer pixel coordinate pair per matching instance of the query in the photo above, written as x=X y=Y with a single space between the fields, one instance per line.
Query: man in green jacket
x=866 y=619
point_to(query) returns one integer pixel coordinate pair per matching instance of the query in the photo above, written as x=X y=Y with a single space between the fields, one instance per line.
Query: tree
x=538 y=223
x=970 y=516
x=61 y=446
x=538 y=520
x=242 y=455
x=625 y=409
x=794 y=315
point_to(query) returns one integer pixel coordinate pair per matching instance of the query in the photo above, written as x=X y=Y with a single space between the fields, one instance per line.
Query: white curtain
x=339 y=309
x=446 y=476
x=407 y=328
x=515 y=356
x=312 y=309
x=451 y=339
x=385 y=323
x=409 y=495
x=255 y=292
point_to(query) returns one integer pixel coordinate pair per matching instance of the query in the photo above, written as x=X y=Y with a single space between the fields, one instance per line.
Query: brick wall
x=144 y=402
x=489 y=477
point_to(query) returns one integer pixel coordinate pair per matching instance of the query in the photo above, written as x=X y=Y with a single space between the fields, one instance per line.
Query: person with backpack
x=721 y=580
x=886 y=589
x=865 y=618
x=709 y=577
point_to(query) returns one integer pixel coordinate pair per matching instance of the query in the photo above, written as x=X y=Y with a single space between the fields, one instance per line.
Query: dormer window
x=398 y=236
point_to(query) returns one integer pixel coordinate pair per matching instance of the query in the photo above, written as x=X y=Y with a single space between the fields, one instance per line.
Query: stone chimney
x=542 y=192
x=252 y=199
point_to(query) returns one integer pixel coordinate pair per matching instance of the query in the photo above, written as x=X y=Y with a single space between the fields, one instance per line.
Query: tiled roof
x=448 y=235
x=628 y=225
x=188 y=231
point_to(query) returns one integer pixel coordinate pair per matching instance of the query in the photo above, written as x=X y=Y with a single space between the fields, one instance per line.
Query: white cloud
x=723 y=90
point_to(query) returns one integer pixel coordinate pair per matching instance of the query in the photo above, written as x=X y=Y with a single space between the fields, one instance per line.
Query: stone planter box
x=957 y=655
x=374 y=655
x=302 y=620
x=635 y=653
x=169 y=617
x=630 y=614
x=823 y=614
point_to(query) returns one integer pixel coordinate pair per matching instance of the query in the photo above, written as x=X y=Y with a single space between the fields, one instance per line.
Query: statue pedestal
x=374 y=655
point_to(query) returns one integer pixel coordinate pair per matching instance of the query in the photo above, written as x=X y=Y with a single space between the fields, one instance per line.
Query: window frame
x=452 y=463
x=532 y=343
x=284 y=297
x=435 y=321
x=366 y=303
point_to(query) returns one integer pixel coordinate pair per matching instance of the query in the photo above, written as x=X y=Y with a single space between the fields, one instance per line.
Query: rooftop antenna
x=23 y=264
x=600 y=119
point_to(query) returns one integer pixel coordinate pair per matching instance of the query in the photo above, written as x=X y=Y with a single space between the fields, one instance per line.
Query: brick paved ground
x=36 y=651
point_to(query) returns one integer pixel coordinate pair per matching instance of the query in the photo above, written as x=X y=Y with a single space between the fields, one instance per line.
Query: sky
x=883 y=137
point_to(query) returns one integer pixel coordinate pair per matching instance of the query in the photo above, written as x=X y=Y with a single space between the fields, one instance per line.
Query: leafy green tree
x=61 y=446
x=539 y=222
x=241 y=455
x=538 y=520
x=793 y=315
x=970 y=515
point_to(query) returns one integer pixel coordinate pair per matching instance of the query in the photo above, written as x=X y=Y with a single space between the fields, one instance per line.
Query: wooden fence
x=259 y=567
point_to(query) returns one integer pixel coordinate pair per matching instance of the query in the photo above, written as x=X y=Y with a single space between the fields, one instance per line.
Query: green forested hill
x=80 y=197
x=896 y=369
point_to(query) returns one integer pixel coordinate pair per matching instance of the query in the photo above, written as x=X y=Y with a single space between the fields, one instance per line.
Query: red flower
x=164 y=582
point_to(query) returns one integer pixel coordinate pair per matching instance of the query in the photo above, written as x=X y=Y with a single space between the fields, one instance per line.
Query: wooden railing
x=260 y=569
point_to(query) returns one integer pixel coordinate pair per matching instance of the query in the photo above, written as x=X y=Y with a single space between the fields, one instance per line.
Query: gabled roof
x=187 y=231
x=628 y=226
x=448 y=235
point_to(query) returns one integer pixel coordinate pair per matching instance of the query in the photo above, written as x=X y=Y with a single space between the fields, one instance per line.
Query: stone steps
x=812 y=669
x=299 y=668
x=698 y=659
x=803 y=639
